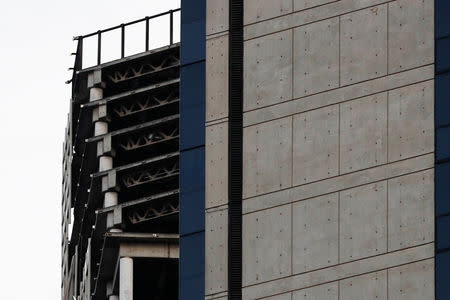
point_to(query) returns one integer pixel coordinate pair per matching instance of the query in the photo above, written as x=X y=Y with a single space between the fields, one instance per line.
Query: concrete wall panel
x=411 y=40
x=316 y=145
x=217 y=78
x=368 y=286
x=266 y=244
x=411 y=210
x=364 y=44
x=216 y=158
x=258 y=10
x=305 y=4
x=413 y=281
x=316 y=57
x=363 y=133
x=340 y=272
x=321 y=292
x=267 y=157
x=347 y=93
x=216 y=260
x=217 y=14
x=338 y=183
x=315 y=233
x=363 y=221
x=268 y=70
x=411 y=121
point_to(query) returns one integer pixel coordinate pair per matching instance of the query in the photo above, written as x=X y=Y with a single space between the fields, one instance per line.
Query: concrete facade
x=216 y=150
x=338 y=175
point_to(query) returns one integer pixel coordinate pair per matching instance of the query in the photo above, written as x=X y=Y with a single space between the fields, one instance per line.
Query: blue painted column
x=442 y=125
x=192 y=147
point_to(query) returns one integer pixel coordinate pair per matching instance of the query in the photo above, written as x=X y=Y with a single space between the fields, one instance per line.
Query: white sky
x=35 y=43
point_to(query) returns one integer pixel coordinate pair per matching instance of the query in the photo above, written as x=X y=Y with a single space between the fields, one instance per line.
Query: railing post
x=146 y=34
x=171 y=27
x=99 y=47
x=123 y=41
x=79 y=64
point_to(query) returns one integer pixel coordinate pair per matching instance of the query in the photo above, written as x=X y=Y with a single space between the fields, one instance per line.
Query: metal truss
x=143 y=69
x=139 y=215
x=147 y=103
x=145 y=176
x=157 y=136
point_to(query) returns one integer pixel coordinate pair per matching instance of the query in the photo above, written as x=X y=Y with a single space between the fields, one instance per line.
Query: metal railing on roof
x=79 y=53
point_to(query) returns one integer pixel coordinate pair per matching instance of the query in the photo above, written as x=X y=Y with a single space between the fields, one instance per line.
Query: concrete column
x=100 y=128
x=105 y=161
x=111 y=199
x=95 y=93
x=126 y=279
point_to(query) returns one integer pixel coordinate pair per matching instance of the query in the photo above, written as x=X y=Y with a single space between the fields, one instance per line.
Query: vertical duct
x=236 y=49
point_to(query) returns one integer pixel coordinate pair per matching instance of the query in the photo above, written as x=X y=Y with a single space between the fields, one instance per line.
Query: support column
x=126 y=279
x=111 y=198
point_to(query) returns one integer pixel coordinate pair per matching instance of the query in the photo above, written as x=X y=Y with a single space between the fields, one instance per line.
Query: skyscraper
x=300 y=152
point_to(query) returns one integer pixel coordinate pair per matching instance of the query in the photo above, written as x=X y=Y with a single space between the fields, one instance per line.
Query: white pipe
x=126 y=279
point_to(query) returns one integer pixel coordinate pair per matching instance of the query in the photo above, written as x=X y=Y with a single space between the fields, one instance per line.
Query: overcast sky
x=35 y=43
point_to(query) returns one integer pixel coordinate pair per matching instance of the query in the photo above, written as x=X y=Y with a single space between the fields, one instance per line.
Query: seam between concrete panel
x=314 y=106
x=216 y=34
x=420 y=250
x=339 y=36
x=382 y=168
x=292 y=151
x=292 y=62
x=292 y=238
x=339 y=289
x=216 y=295
x=332 y=104
x=387 y=283
x=387 y=181
x=351 y=262
x=334 y=192
x=339 y=227
x=387 y=213
x=293 y=26
x=216 y=209
x=349 y=173
x=216 y=122
x=387 y=126
x=292 y=146
x=344 y=86
x=387 y=39
x=339 y=140
x=344 y=278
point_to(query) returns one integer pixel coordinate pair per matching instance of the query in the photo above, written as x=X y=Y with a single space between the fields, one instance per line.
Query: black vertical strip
x=235 y=101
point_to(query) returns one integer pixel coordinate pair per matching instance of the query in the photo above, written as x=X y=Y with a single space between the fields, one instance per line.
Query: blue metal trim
x=192 y=191
x=192 y=147
x=442 y=100
x=192 y=105
x=442 y=146
x=192 y=266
